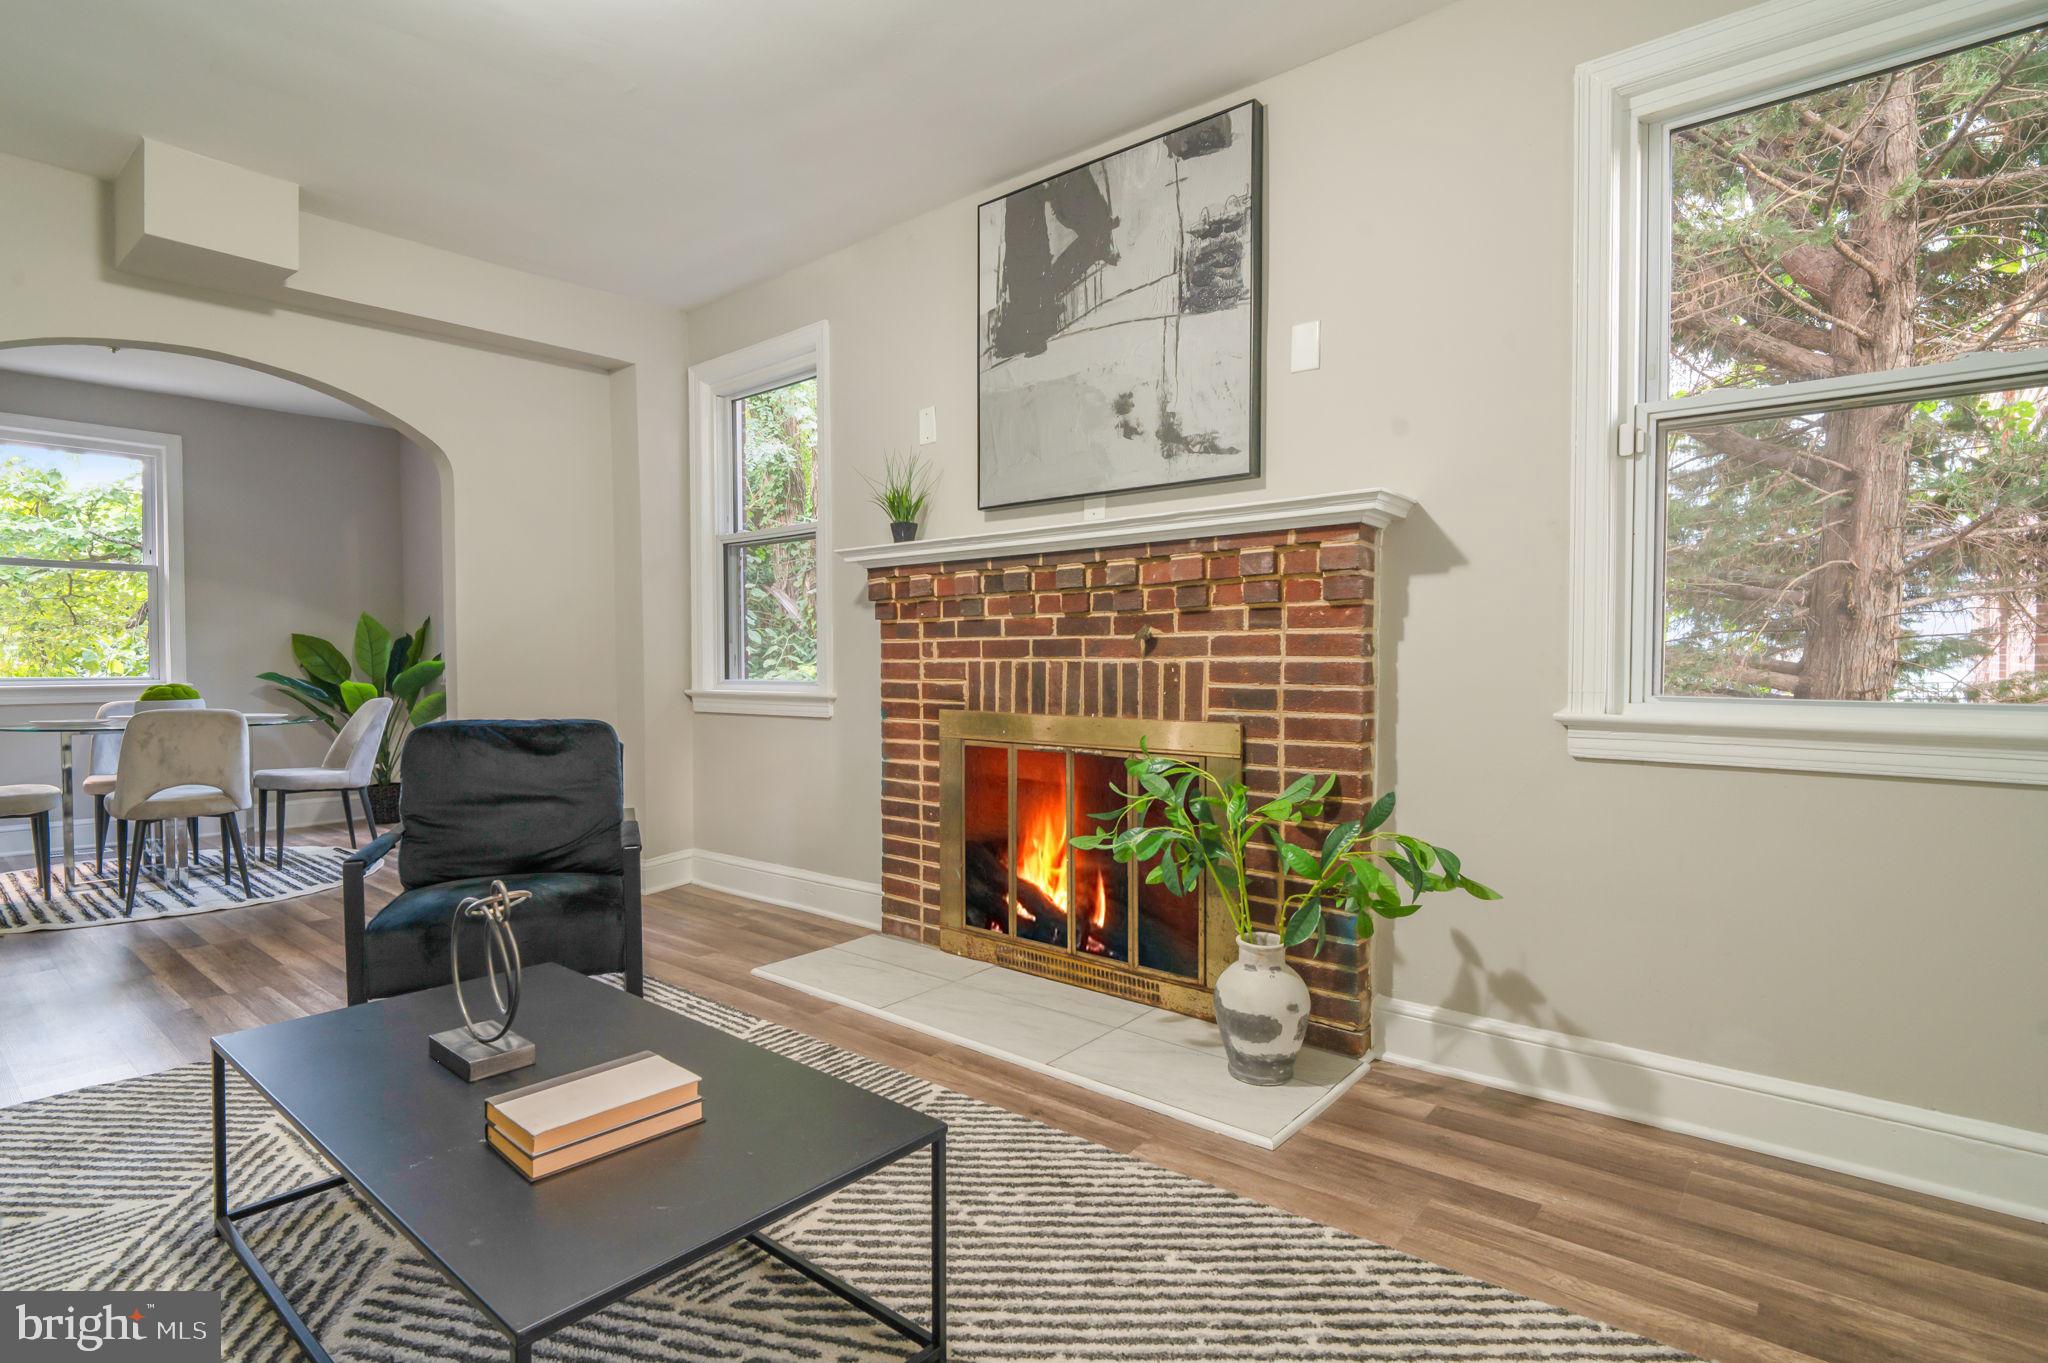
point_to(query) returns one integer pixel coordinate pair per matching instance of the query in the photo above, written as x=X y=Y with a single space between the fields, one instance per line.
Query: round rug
x=95 y=899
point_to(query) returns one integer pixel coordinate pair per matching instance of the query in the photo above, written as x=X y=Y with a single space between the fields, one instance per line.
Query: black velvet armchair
x=538 y=804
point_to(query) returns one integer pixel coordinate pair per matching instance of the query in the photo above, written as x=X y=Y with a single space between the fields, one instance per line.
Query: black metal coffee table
x=407 y=1137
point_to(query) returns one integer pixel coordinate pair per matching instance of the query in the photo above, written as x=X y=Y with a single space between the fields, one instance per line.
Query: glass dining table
x=68 y=730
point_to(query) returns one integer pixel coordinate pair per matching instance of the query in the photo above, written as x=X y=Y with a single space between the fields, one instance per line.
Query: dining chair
x=181 y=764
x=99 y=777
x=350 y=764
x=33 y=803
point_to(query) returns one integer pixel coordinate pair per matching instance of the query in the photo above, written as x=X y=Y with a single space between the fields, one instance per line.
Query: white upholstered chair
x=181 y=764
x=99 y=776
x=350 y=764
x=33 y=803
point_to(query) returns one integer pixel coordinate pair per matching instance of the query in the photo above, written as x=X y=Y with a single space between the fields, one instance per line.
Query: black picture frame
x=1256 y=279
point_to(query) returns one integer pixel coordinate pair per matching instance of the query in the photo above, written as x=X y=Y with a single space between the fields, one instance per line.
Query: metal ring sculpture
x=501 y=948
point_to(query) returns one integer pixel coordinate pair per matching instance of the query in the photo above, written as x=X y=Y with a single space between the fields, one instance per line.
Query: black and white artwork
x=1120 y=319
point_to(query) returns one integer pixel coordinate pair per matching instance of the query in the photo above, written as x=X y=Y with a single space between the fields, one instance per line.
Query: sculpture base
x=473 y=1060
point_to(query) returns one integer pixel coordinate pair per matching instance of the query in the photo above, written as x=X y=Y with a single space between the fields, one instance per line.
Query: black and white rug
x=96 y=899
x=1060 y=1249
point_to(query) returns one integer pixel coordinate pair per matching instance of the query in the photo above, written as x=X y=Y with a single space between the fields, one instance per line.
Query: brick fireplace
x=1270 y=631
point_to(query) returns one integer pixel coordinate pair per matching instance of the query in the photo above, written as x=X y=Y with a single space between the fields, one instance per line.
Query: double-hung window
x=759 y=460
x=1812 y=489
x=89 y=594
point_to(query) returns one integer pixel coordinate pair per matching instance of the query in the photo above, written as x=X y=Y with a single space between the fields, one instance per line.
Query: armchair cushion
x=509 y=798
x=573 y=919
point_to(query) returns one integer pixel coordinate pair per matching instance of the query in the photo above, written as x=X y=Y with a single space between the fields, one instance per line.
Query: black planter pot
x=384 y=803
x=903 y=531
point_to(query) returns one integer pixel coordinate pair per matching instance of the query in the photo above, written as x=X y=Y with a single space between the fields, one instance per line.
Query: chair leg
x=280 y=828
x=234 y=830
x=348 y=812
x=135 y=870
x=227 y=863
x=99 y=835
x=39 y=833
x=369 y=817
x=262 y=820
x=192 y=827
x=121 y=855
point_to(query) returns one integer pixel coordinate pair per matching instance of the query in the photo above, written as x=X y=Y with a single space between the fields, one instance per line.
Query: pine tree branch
x=1969 y=118
x=1768 y=349
x=2014 y=311
x=1816 y=471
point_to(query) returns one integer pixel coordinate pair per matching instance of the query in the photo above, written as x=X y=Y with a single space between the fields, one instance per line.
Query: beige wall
x=555 y=409
x=1878 y=936
x=290 y=523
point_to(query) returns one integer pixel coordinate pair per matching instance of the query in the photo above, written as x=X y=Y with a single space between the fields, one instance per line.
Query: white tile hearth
x=1165 y=1062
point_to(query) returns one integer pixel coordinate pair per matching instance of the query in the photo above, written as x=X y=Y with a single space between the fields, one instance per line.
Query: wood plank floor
x=1733 y=1256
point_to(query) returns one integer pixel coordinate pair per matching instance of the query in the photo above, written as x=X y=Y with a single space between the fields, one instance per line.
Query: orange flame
x=1042 y=852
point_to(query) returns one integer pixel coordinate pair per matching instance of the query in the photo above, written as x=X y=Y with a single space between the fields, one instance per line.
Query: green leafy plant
x=1200 y=827
x=396 y=667
x=905 y=488
x=170 y=691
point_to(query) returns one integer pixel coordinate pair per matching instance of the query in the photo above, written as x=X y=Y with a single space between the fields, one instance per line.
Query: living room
x=946 y=532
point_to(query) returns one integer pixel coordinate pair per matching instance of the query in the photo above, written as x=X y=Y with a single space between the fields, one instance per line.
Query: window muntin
x=1888 y=543
x=81 y=589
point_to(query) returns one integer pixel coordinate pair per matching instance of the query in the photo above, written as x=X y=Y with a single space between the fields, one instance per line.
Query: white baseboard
x=306 y=812
x=2002 y=1168
x=857 y=902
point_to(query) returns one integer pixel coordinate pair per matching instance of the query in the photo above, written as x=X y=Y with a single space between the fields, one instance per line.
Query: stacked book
x=560 y=1123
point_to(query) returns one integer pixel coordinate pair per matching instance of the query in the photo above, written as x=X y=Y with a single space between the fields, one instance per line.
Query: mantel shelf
x=1370 y=506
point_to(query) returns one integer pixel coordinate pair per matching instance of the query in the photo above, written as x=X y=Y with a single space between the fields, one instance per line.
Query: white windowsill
x=1819 y=736
x=785 y=704
x=71 y=692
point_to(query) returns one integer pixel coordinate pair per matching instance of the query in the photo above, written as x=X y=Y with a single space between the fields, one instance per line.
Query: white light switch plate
x=927 y=425
x=1306 y=350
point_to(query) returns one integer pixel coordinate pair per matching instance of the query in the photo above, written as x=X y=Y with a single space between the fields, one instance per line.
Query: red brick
x=1030 y=625
x=1222 y=566
x=1300 y=559
x=1304 y=589
x=1345 y=587
x=1121 y=572
x=1325 y=617
x=1192 y=597
x=1254 y=562
x=1184 y=568
x=1128 y=599
x=880 y=589
x=1073 y=603
x=1341 y=557
x=1227 y=594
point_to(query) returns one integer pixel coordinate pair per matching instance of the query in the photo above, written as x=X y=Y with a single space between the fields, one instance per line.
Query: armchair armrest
x=629 y=844
x=358 y=864
x=373 y=852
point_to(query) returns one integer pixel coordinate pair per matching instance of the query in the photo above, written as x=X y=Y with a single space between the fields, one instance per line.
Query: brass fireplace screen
x=1014 y=891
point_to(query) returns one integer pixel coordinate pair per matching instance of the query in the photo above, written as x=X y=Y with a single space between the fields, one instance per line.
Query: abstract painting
x=1120 y=313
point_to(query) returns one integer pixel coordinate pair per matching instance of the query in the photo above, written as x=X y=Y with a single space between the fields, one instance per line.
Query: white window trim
x=163 y=456
x=1623 y=102
x=714 y=385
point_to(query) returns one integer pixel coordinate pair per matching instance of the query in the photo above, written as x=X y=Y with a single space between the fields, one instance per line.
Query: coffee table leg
x=939 y=1247
x=220 y=1140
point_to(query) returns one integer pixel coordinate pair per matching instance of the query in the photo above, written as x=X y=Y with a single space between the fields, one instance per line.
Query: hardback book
x=575 y=1107
x=594 y=1147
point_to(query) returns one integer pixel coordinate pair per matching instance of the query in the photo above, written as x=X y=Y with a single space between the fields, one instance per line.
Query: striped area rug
x=94 y=899
x=1060 y=1250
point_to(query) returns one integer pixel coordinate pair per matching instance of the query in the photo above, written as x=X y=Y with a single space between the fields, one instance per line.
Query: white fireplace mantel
x=1369 y=506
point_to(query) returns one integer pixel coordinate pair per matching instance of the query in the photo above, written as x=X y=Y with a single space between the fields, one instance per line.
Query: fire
x=1042 y=853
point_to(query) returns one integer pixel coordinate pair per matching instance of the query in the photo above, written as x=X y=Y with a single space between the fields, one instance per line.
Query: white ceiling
x=189 y=376
x=673 y=149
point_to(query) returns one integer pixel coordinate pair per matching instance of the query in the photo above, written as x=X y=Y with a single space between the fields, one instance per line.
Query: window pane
x=777 y=588
x=1896 y=220
x=1876 y=553
x=778 y=459
x=73 y=622
x=66 y=504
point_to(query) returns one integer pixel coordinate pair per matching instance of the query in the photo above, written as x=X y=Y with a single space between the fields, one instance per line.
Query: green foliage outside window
x=778 y=486
x=76 y=620
x=1892 y=551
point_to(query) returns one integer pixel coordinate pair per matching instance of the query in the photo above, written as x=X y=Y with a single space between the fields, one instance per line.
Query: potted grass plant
x=395 y=666
x=1200 y=829
x=902 y=492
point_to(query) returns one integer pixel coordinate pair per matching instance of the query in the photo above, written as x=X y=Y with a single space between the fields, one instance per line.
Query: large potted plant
x=396 y=667
x=1202 y=830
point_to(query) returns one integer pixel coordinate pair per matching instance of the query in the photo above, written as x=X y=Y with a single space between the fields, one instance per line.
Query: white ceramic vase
x=1262 y=1011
